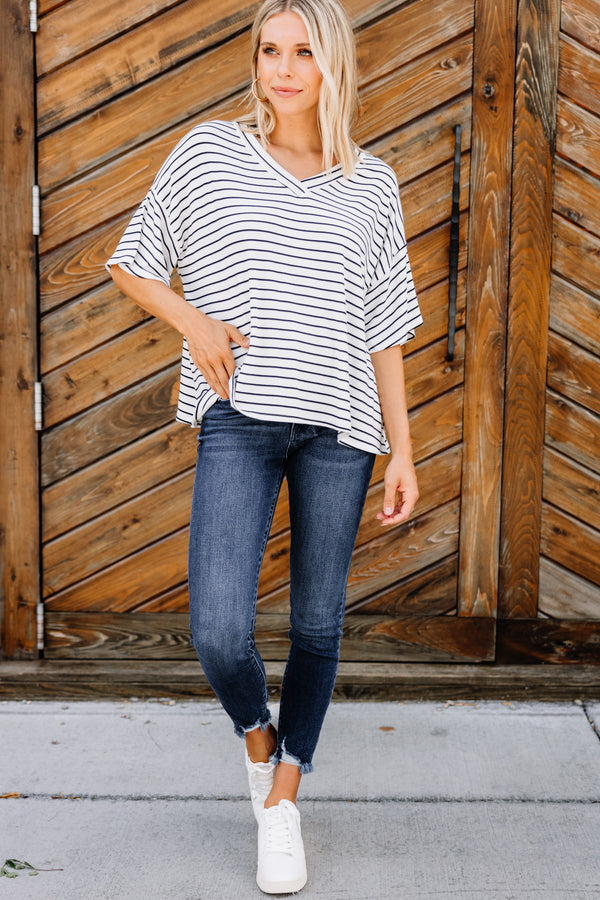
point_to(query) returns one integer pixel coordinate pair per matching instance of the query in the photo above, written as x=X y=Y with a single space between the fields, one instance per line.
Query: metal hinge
x=39 y=618
x=33 y=15
x=35 y=209
x=38 y=408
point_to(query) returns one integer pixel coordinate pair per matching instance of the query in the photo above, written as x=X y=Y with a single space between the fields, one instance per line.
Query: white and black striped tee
x=314 y=271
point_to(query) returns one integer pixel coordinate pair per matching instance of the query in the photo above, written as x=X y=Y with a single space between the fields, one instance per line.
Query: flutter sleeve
x=153 y=241
x=391 y=307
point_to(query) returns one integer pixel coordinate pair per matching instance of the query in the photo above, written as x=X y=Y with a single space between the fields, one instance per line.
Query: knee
x=217 y=652
x=323 y=643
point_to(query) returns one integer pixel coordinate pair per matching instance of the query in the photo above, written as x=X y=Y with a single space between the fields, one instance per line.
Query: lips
x=286 y=92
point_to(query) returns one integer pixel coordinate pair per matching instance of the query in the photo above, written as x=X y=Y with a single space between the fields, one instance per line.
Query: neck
x=297 y=133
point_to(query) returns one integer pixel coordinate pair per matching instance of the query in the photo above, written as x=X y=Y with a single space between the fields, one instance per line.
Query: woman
x=290 y=246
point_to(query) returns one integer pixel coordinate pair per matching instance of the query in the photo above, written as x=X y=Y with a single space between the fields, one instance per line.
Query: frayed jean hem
x=262 y=723
x=282 y=755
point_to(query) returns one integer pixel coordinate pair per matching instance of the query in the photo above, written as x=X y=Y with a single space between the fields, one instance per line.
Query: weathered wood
x=97 y=375
x=574 y=372
x=85 y=323
x=427 y=201
x=434 y=308
x=428 y=373
x=112 y=536
x=576 y=255
x=521 y=641
x=572 y=488
x=427 y=142
x=573 y=431
x=579 y=74
x=570 y=543
x=529 y=292
x=487 y=280
x=577 y=196
x=19 y=515
x=430 y=592
x=115 y=479
x=564 y=595
x=578 y=135
x=110 y=425
x=581 y=19
x=400 y=681
x=575 y=314
x=166 y=636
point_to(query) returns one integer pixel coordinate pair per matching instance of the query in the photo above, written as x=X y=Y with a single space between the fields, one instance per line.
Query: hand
x=400 y=491
x=208 y=341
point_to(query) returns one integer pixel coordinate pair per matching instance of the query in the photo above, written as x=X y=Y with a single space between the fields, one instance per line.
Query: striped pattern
x=314 y=271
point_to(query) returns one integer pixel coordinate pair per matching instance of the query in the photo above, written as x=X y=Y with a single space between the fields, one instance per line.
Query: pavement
x=444 y=800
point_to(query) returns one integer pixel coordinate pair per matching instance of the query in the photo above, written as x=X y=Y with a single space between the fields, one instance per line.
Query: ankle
x=261 y=744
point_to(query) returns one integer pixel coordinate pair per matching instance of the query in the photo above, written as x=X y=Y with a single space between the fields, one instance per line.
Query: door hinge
x=33 y=15
x=35 y=209
x=38 y=406
x=39 y=618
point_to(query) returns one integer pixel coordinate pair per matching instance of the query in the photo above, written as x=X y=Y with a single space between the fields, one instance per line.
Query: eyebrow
x=274 y=44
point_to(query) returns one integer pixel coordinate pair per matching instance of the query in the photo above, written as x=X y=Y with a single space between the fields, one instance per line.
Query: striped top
x=314 y=271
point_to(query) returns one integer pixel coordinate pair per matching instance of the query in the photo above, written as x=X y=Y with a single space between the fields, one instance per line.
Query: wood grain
x=574 y=372
x=577 y=196
x=569 y=542
x=572 y=488
x=578 y=135
x=487 y=281
x=579 y=74
x=572 y=430
x=526 y=641
x=19 y=499
x=575 y=314
x=528 y=302
x=564 y=595
x=581 y=20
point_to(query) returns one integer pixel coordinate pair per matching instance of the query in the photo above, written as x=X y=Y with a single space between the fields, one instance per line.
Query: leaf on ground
x=386 y=728
x=9 y=795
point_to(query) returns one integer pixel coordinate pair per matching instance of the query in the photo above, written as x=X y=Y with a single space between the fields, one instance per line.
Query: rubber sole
x=282 y=887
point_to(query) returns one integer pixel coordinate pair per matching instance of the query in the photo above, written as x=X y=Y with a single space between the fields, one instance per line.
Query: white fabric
x=315 y=272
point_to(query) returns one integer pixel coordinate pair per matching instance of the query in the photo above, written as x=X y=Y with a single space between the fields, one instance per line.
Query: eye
x=268 y=51
x=305 y=52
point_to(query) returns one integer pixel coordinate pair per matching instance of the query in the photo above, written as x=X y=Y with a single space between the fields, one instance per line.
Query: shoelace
x=279 y=836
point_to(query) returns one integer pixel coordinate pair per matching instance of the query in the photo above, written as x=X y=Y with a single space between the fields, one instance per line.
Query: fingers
x=210 y=349
x=235 y=335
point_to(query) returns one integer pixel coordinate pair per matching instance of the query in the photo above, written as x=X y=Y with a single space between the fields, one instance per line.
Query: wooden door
x=117 y=87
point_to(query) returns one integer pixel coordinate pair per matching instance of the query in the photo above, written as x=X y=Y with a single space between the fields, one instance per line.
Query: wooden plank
x=118 y=477
x=172 y=39
x=521 y=641
x=578 y=135
x=577 y=196
x=581 y=20
x=19 y=500
x=101 y=373
x=83 y=324
x=428 y=372
x=570 y=543
x=434 y=308
x=166 y=636
x=429 y=254
x=572 y=488
x=575 y=314
x=67 y=679
x=574 y=372
x=125 y=584
x=576 y=255
x=528 y=302
x=427 y=201
x=579 y=74
x=110 y=537
x=80 y=25
x=487 y=282
x=110 y=425
x=428 y=142
x=564 y=595
x=430 y=592
x=573 y=431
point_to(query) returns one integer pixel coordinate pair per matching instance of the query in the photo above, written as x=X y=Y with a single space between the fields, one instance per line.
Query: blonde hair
x=333 y=49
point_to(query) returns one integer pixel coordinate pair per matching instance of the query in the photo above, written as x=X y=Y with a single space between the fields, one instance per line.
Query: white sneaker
x=281 y=862
x=260 y=778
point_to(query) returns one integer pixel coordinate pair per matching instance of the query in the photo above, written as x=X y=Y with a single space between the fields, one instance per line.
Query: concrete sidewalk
x=453 y=801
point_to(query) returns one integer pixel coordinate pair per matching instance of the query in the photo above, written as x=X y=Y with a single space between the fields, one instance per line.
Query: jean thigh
x=328 y=484
x=239 y=470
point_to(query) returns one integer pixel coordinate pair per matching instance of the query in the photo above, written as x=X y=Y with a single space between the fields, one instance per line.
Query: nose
x=284 y=68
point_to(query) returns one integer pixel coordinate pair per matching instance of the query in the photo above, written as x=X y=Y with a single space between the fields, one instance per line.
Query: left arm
x=400 y=481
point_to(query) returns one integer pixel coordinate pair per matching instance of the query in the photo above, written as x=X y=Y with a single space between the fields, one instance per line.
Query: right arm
x=208 y=339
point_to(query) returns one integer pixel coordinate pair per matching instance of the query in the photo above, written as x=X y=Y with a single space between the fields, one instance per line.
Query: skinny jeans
x=240 y=466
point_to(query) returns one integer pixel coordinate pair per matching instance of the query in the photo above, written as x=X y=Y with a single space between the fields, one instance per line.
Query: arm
x=400 y=481
x=208 y=338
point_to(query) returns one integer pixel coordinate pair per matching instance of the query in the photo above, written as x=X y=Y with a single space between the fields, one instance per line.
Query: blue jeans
x=241 y=464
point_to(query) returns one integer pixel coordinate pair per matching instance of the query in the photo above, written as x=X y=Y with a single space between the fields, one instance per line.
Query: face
x=288 y=73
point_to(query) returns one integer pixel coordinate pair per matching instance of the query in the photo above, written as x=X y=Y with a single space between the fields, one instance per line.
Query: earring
x=255 y=95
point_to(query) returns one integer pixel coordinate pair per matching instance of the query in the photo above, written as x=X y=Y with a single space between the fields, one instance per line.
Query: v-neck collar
x=298 y=185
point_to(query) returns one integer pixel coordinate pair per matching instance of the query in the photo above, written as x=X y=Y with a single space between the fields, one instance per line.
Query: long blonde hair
x=333 y=48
